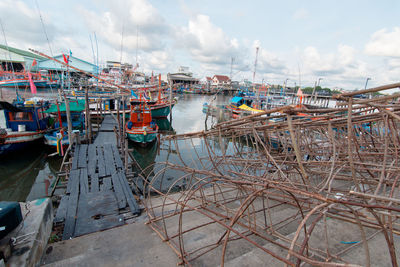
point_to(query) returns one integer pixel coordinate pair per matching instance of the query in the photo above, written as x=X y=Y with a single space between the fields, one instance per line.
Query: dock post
x=119 y=122
x=123 y=123
x=126 y=154
x=68 y=111
x=86 y=114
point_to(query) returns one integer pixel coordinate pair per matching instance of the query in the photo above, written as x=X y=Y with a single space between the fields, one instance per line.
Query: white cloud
x=384 y=43
x=206 y=42
x=22 y=22
x=300 y=13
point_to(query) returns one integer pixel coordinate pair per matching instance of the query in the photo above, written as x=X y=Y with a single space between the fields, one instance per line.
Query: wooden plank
x=92 y=158
x=94 y=183
x=106 y=186
x=75 y=158
x=93 y=212
x=84 y=182
x=128 y=194
x=100 y=162
x=73 y=177
x=87 y=226
x=117 y=157
x=109 y=159
x=119 y=193
x=70 y=218
x=82 y=162
x=62 y=210
x=98 y=204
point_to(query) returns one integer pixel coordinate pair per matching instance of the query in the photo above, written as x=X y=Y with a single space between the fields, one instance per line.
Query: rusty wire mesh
x=295 y=188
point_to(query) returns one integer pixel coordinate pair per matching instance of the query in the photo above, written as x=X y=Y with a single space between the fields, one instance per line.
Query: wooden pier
x=98 y=195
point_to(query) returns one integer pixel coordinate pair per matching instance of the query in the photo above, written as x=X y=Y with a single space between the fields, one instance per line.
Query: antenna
x=122 y=40
x=97 y=50
x=137 y=42
x=255 y=64
x=91 y=43
x=9 y=55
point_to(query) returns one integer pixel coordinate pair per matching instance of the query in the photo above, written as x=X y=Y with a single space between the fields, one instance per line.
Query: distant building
x=208 y=81
x=183 y=76
x=48 y=64
x=220 y=80
x=13 y=59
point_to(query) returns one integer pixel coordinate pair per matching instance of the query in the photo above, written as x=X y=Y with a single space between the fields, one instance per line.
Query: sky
x=343 y=42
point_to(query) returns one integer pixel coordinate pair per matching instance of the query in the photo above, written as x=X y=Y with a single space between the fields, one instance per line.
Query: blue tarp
x=236 y=99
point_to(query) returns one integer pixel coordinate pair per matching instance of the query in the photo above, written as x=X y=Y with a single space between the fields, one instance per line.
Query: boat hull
x=15 y=142
x=160 y=111
x=25 y=83
x=142 y=138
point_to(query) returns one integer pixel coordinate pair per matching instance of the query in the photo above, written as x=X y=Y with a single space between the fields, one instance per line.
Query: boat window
x=20 y=116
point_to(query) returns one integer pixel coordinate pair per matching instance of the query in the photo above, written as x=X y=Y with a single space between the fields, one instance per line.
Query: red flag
x=34 y=63
x=66 y=59
x=300 y=95
x=32 y=84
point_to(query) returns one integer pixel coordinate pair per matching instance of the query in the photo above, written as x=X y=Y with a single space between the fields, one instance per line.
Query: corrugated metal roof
x=23 y=53
x=10 y=56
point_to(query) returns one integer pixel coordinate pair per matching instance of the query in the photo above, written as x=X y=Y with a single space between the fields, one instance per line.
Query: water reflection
x=27 y=175
x=187 y=116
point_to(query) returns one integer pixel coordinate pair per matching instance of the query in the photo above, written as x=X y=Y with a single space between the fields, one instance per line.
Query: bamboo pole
x=68 y=111
x=123 y=123
x=86 y=114
x=117 y=102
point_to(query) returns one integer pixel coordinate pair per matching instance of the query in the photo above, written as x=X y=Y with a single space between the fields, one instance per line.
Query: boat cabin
x=140 y=115
x=22 y=117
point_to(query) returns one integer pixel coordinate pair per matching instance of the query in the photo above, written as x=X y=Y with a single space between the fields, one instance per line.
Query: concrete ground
x=30 y=237
x=129 y=245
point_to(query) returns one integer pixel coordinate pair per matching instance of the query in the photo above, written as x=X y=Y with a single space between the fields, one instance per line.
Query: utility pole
x=366 y=82
x=255 y=65
x=232 y=60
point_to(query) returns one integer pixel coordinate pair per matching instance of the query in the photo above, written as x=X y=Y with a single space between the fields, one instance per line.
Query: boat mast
x=11 y=64
x=254 y=75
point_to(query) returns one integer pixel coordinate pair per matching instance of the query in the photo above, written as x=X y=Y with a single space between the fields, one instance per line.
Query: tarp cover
x=74 y=106
x=236 y=99
x=245 y=107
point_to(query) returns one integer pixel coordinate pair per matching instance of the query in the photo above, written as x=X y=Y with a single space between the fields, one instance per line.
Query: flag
x=300 y=95
x=32 y=84
x=133 y=94
x=34 y=63
x=66 y=59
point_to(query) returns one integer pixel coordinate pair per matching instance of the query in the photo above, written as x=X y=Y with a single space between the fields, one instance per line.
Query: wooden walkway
x=97 y=191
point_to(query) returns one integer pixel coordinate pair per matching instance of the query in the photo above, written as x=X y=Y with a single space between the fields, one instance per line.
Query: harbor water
x=30 y=174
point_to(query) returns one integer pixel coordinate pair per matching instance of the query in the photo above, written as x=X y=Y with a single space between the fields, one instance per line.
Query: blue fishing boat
x=21 y=124
x=21 y=80
x=58 y=137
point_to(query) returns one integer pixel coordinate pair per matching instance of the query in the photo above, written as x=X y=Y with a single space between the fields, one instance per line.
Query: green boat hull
x=160 y=112
x=141 y=138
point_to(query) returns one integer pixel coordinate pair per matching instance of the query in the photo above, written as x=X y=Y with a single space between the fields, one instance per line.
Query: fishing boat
x=140 y=128
x=240 y=105
x=21 y=80
x=21 y=124
x=160 y=107
x=58 y=137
